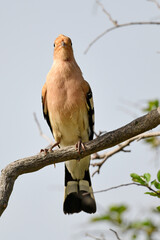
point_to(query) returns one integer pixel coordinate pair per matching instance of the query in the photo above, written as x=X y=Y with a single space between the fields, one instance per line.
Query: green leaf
x=157 y=184
x=152 y=194
x=153 y=142
x=137 y=178
x=158 y=176
x=118 y=209
x=101 y=218
x=151 y=105
x=134 y=236
x=158 y=208
x=147 y=177
x=147 y=223
x=134 y=175
x=152 y=183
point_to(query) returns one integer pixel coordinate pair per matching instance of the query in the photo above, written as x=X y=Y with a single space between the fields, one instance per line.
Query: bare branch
x=107 y=13
x=121 y=147
x=147 y=135
x=93 y=237
x=115 y=233
x=115 y=187
x=40 y=130
x=116 y=27
x=34 y=163
x=156 y=2
x=126 y=185
x=99 y=134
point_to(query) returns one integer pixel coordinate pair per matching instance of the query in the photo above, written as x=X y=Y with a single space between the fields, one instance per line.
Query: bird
x=69 y=111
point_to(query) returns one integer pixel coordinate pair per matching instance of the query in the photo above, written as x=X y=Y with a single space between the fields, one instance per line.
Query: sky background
x=123 y=71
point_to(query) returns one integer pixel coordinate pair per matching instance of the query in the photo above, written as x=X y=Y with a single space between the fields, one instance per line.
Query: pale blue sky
x=123 y=65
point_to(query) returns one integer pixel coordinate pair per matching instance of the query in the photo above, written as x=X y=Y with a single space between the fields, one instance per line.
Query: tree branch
x=40 y=131
x=116 y=27
x=120 y=147
x=126 y=185
x=118 y=186
x=107 y=13
x=156 y=2
x=115 y=233
x=93 y=237
x=26 y=165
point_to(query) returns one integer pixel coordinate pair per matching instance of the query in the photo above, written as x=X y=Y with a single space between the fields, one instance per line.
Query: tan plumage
x=68 y=108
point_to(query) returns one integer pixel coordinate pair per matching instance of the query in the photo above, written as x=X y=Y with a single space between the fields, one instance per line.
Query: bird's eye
x=71 y=43
x=54 y=45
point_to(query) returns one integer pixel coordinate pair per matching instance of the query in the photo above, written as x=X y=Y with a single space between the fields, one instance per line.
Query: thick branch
x=26 y=165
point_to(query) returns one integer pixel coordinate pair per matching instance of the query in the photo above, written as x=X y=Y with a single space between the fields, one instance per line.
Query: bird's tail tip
x=79 y=197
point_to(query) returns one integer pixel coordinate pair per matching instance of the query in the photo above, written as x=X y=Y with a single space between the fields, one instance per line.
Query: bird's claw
x=45 y=151
x=80 y=146
x=49 y=150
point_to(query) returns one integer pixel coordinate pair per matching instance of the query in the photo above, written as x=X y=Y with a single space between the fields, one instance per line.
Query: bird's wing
x=90 y=108
x=44 y=105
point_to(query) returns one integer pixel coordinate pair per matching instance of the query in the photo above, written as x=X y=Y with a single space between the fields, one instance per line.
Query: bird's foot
x=48 y=150
x=54 y=145
x=80 y=146
x=45 y=151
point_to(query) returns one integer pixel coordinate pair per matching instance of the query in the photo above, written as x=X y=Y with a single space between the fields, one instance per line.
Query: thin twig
x=40 y=130
x=156 y=2
x=99 y=134
x=120 y=147
x=116 y=27
x=115 y=233
x=118 y=186
x=93 y=237
x=107 y=13
x=126 y=185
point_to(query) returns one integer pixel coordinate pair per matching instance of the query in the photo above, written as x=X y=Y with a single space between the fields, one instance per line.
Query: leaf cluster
x=134 y=228
x=145 y=180
x=115 y=214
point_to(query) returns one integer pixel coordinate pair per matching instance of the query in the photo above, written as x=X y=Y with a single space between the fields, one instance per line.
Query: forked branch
x=34 y=163
x=119 y=148
x=116 y=25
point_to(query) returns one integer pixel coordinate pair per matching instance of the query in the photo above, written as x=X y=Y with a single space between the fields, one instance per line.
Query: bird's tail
x=78 y=194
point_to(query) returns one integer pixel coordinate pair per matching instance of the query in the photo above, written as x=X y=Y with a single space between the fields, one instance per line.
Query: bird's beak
x=63 y=44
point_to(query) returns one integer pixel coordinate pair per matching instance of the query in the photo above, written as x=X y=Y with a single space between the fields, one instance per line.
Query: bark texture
x=30 y=164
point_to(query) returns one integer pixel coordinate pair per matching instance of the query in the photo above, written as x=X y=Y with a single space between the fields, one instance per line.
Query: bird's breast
x=65 y=98
x=67 y=111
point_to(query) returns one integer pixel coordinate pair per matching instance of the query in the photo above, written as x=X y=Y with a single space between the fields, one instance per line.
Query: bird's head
x=63 y=48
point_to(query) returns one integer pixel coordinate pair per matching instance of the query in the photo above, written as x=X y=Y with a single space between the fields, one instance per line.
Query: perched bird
x=68 y=109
